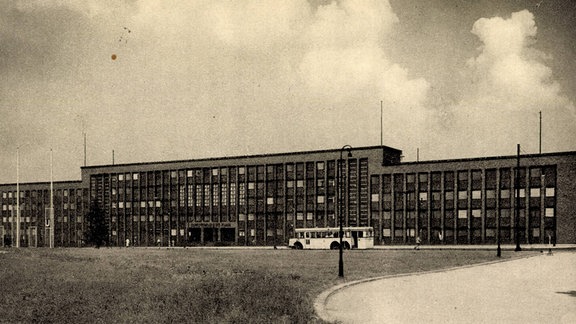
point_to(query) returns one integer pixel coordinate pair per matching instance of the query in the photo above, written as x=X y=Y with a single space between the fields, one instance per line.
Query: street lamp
x=340 y=183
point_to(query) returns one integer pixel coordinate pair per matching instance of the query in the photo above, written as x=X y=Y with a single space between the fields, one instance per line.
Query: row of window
x=28 y=219
x=34 y=193
x=474 y=213
x=270 y=169
x=24 y=206
x=489 y=232
x=475 y=194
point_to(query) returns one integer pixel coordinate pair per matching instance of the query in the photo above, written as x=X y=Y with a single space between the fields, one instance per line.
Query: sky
x=159 y=80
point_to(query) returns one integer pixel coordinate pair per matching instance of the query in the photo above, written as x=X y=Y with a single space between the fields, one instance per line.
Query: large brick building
x=261 y=199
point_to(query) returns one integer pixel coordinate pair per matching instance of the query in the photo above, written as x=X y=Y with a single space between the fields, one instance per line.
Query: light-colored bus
x=327 y=238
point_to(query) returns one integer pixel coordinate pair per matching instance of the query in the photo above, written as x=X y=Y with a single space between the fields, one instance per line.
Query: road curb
x=322 y=298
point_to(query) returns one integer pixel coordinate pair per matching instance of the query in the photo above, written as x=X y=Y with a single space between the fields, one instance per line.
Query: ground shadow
x=569 y=293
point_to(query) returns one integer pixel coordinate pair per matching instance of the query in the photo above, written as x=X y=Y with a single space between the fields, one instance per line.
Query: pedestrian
x=418 y=241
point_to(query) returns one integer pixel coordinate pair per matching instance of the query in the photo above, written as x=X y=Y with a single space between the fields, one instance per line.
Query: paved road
x=539 y=289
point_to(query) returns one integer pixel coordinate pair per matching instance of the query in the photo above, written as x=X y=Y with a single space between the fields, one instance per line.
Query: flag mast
x=52 y=225
x=18 y=197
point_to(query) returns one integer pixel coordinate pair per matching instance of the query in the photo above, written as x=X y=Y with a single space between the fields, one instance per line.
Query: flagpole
x=17 y=197
x=52 y=225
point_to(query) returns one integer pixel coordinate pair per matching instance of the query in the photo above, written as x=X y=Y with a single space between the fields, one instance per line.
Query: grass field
x=191 y=285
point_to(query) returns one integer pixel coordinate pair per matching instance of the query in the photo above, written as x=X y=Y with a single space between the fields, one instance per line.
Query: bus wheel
x=298 y=246
x=346 y=246
x=334 y=246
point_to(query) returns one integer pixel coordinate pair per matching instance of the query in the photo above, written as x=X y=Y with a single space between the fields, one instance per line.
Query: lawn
x=192 y=285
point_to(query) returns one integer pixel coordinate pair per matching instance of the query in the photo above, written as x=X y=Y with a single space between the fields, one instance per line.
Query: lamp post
x=340 y=183
x=517 y=202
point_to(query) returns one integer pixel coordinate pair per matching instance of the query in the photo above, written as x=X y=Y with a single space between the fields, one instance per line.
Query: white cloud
x=510 y=85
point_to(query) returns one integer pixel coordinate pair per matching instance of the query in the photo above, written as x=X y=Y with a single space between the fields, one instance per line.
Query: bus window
x=307 y=234
x=361 y=234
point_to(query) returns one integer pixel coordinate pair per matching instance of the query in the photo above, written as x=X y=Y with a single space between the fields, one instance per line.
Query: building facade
x=261 y=199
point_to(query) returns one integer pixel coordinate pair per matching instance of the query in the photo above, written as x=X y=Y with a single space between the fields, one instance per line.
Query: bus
x=327 y=238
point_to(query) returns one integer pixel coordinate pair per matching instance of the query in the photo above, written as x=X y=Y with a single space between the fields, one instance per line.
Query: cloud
x=509 y=85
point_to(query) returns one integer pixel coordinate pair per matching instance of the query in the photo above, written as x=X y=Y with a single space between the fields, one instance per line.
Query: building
x=261 y=199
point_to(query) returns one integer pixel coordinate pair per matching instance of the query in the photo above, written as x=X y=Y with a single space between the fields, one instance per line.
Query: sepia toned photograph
x=288 y=161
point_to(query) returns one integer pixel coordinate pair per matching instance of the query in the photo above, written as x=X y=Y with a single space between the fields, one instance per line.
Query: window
x=206 y=195
x=490 y=194
x=411 y=232
x=375 y=198
x=449 y=195
x=270 y=201
x=300 y=183
x=215 y=197
x=299 y=216
x=504 y=193
x=320 y=165
x=320 y=199
x=309 y=216
x=462 y=195
x=410 y=178
x=550 y=192
x=476 y=213
x=233 y=194
x=250 y=216
x=214 y=172
x=534 y=192
x=241 y=170
x=549 y=212
x=520 y=193
x=241 y=217
x=223 y=192
x=290 y=184
x=476 y=194
x=134 y=176
x=120 y=177
x=250 y=185
x=320 y=183
x=423 y=196
x=241 y=233
x=242 y=193
x=462 y=214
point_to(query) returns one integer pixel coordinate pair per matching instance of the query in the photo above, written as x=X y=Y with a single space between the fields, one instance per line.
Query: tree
x=97 y=228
